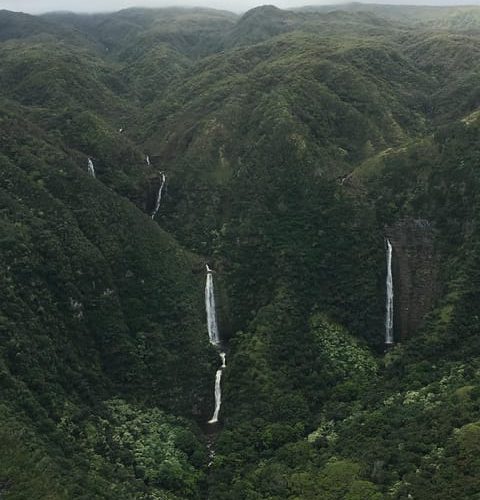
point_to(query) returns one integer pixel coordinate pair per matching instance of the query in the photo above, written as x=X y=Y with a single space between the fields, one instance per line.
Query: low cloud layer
x=40 y=6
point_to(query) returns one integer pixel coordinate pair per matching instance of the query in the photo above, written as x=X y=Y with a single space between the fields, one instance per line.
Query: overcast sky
x=36 y=6
x=39 y=6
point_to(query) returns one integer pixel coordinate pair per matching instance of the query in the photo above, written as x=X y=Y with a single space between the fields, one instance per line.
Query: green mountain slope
x=293 y=143
x=76 y=258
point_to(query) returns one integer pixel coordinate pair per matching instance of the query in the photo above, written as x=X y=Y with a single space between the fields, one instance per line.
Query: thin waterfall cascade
x=214 y=337
x=389 y=299
x=211 y=453
x=218 y=396
x=210 y=308
x=147 y=160
x=159 y=196
x=91 y=168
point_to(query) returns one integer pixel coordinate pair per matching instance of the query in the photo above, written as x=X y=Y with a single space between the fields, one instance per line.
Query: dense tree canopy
x=292 y=142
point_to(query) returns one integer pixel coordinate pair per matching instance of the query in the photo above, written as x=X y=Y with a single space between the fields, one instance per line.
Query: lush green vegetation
x=290 y=141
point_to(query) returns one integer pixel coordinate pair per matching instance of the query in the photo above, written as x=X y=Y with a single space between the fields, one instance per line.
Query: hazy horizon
x=42 y=6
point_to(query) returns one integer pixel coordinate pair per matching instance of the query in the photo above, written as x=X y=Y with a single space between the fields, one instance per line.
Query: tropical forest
x=240 y=254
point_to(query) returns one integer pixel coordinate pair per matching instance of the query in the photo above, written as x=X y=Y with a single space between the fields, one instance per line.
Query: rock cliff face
x=415 y=274
x=145 y=196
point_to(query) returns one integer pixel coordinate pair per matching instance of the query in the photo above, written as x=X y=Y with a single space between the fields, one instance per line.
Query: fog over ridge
x=41 y=6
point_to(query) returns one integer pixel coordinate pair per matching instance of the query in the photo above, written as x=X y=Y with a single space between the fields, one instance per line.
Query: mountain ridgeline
x=326 y=163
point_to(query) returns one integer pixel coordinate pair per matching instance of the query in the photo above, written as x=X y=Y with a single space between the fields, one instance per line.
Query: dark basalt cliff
x=415 y=274
x=145 y=195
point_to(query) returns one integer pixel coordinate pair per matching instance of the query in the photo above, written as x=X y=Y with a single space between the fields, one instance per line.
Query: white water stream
x=389 y=301
x=214 y=337
x=91 y=168
x=159 y=196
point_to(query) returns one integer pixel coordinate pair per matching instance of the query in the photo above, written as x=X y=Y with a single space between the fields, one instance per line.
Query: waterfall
x=210 y=308
x=159 y=196
x=147 y=159
x=211 y=453
x=218 y=397
x=214 y=336
x=91 y=168
x=389 y=301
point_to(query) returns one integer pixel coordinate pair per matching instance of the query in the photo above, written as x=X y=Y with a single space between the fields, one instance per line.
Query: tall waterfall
x=214 y=336
x=218 y=396
x=91 y=168
x=389 y=301
x=210 y=308
x=159 y=196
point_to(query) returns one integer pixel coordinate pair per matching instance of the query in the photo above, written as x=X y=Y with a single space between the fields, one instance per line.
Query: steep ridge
x=293 y=145
x=76 y=337
x=260 y=24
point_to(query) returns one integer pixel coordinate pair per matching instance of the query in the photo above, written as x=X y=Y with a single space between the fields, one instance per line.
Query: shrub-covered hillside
x=292 y=144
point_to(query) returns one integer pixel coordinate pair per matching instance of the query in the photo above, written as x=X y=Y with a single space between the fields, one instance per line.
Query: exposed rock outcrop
x=415 y=274
x=146 y=195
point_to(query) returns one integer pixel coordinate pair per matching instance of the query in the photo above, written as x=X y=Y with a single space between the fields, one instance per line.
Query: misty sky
x=39 y=6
